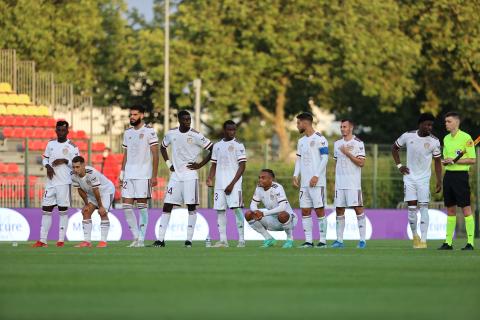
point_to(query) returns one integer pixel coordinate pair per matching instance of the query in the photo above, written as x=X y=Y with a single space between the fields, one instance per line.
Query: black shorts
x=456 y=189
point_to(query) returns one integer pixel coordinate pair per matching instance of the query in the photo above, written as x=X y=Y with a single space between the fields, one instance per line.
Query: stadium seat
x=5 y=87
x=43 y=111
x=3 y=98
x=29 y=133
x=23 y=99
x=12 y=168
x=8 y=132
x=97 y=158
x=3 y=109
x=81 y=134
x=19 y=121
x=18 y=133
x=98 y=146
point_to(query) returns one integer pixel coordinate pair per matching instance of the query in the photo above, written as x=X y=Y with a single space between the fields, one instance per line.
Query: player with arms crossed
x=57 y=159
x=96 y=192
x=311 y=165
x=228 y=164
x=349 y=154
x=278 y=215
x=187 y=144
x=421 y=146
x=139 y=172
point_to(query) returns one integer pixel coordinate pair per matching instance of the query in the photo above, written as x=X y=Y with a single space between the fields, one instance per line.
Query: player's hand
x=344 y=150
x=295 y=182
x=154 y=181
x=50 y=171
x=194 y=166
x=447 y=161
x=209 y=182
x=102 y=211
x=59 y=162
x=258 y=215
x=404 y=170
x=438 y=187
x=313 y=181
x=229 y=189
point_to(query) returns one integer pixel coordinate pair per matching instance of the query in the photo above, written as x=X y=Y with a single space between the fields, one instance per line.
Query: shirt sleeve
x=203 y=141
x=281 y=195
x=361 y=150
x=255 y=200
x=124 y=143
x=46 y=155
x=166 y=140
x=214 y=154
x=75 y=183
x=94 y=179
x=335 y=151
x=241 y=153
x=152 y=138
x=437 y=151
x=470 y=149
x=401 y=141
x=323 y=146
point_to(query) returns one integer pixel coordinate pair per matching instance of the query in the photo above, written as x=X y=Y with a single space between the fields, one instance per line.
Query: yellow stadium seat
x=12 y=109
x=5 y=87
x=22 y=110
x=24 y=99
x=11 y=98
x=3 y=110
x=3 y=98
x=30 y=110
x=44 y=111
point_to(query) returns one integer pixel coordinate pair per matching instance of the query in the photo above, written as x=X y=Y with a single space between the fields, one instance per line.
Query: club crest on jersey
x=426 y=145
x=470 y=143
x=230 y=148
x=141 y=136
x=189 y=140
x=349 y=147
x=272 y=196
x=89 y=183
x=65 y=151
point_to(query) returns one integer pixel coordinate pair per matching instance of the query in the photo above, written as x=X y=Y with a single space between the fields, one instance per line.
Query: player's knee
x=249 y=215
x=62 y=209
x=47 y=209
x=283 y=217
x=306 y=212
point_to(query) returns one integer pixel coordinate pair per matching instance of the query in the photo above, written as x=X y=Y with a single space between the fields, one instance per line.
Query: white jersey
x=420 y=151
x=93 y=179
x=60 y=150
x=227 y=155
x=347 y=174
x=137 y=142
x=309 y=152
x=271 y=198
x=186 y=147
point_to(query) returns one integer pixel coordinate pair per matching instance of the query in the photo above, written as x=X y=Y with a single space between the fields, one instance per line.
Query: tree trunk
x=277 y=119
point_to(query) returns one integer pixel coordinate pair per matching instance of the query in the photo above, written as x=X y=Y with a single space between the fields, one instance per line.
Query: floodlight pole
x=197 y=85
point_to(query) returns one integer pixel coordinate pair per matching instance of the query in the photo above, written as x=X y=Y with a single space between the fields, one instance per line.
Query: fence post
x=375 y=175
x=26 y=185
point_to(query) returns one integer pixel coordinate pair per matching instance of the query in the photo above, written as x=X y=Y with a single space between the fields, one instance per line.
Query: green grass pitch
x=388 y=280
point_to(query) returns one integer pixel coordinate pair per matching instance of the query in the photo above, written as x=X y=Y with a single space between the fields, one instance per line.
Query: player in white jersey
x=277 y=215
x=349 y=154
x=97 y=193
x=186 y=146
x=311 y=165
x=57 y=159
x=228 y=164
x=139 y=172
x=421 y=146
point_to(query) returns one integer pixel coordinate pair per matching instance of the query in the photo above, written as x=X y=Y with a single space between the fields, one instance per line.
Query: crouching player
x=97 y=193
x=277 y=215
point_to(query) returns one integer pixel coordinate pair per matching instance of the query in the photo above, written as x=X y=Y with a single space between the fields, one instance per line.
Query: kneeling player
x=278 y=215
x=97 y=193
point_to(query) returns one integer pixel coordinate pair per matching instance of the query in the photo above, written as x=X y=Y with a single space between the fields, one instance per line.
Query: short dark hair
x=228 y=123
x=138 y=108
x=78 y=159
x=347 y=120
x=427 y=116
x=453 y=114
x=182 y=113
x=305 y=116
x=62 y=123
x=270 y=172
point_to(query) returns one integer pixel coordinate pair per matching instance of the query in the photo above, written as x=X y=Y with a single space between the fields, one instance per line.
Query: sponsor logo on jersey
x=141 y=136
x=65 y=151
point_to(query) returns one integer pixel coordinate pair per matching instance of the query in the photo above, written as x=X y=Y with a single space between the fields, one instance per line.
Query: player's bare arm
x=360 y=162
x=449 y=161
x=101 y=209
x=238 y=175
x=211 y=174
x=124 y=162
x=154 y=151
x=438 y=174
x=169 y=163
x=83 y=195
x=58 y=162
x=396 y=157
x=196 y=166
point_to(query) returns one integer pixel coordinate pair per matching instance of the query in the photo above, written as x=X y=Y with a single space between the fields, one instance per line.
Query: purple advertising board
x=24 y=224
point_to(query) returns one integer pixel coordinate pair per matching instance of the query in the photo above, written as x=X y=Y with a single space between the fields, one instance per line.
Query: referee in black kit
x=456 y=188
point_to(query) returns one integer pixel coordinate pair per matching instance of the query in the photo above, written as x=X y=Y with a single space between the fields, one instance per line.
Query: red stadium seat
x=18 y=133
x=8 y=132
x=98 y=146
x=3 y=168
x=82 y=146
x=97 y=158
x=31 y=122
x=50 y=122
x=81 y=134
x=13 y=168
x=28 y=133
x=2 y=121
x=19 y=121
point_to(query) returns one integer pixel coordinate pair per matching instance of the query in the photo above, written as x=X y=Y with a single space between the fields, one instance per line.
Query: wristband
x=168 y=163
x=399 y=165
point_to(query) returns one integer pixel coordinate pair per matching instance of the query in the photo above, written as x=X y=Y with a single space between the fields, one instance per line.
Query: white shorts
x=107 y=200
x=182 y=192
x=57 y=196
x=223 y=201
x=136 y=189
x=312 y=197
x=348 y=198
x=419 y=191
x=271 y=222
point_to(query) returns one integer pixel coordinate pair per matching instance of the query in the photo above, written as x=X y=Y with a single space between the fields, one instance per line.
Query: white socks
x=104 y=228
x=340 y=226
x=192 y=220
x=288 y=226
x=87 y=230
x=412 y=219
x=222 y=225
x=307 y=228
x=322 y=226
x=424 y=221
x=257 y=226
x=162 y=228
x=240 y=223
x=63 y=224
x=143 y=220
x=131 y=219
x=45 y=226
x=362 y=225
